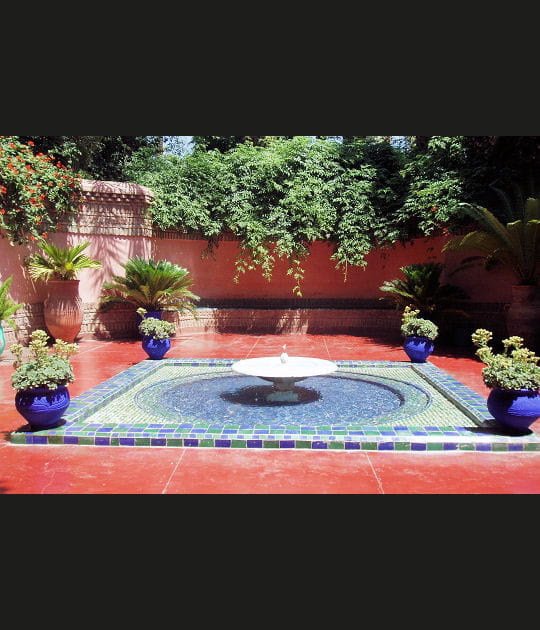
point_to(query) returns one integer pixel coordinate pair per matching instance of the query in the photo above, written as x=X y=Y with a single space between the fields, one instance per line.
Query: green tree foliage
x=226 y=143
x=96 y=157
x=281 y=197
x=279 y=194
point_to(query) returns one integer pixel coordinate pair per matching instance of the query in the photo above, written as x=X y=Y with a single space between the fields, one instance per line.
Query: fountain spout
x=284 y=356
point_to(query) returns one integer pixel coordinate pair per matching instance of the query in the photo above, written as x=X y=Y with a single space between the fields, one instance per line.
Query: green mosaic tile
x=302 y=444
x=270 y=444
x=435 y=446
x=238 y=444
x=403 y=446
x=207 y=443
x=336 y=446
x=369 y=446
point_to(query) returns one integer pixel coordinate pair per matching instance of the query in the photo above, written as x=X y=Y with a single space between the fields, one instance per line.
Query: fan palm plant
x=515 y=245
x=151 y=285
x=422 y=289
x=59 y=263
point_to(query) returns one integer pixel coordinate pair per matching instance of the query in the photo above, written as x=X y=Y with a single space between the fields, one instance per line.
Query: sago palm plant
x=422 y=289
x=515 y=245
x=59 y=263
x=151 y=285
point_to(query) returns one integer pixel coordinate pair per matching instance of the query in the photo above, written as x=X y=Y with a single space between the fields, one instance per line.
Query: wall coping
x=93 y=190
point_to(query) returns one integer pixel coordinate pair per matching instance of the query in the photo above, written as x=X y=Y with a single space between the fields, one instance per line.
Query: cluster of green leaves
x=35 y=191
x=514 y=244
x=422 y=288
x=44 y=367
x=157 y=328
x=59 y=263
x=516 y=367
x=8 y=306
x=414 y=326
x=151 y=285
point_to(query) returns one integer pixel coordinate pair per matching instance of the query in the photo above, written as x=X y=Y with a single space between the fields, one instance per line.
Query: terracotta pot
x=523 y=315
x=63 y=309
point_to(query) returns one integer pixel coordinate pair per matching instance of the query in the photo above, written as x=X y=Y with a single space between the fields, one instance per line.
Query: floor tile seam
x=329 y=356
x=173 y=473
x=253 y=347
x=377 y=478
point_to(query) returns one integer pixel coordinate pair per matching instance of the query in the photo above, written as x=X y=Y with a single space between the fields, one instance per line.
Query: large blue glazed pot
x=514 y=409
x=156 y=348
x=418 y=349
x=42 y=407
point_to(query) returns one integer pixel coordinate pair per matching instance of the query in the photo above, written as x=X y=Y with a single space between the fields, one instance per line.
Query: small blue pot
x=156 y=348
x=418 y=349
x=42 y=407
x=514 y=409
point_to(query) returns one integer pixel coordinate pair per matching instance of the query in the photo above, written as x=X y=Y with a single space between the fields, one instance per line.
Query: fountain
x=283 y=372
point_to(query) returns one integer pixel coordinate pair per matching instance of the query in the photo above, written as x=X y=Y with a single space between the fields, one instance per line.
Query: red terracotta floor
x=129 y=470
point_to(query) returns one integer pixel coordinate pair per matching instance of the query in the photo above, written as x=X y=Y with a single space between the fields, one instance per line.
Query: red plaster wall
x=213 y=276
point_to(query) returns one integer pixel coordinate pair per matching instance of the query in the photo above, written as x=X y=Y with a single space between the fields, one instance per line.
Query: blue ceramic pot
x=514 y=409
x=156 y=348
x=418 y=349
x=42 y=407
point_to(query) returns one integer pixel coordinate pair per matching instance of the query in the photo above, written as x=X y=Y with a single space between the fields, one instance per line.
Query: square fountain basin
x=109 y=415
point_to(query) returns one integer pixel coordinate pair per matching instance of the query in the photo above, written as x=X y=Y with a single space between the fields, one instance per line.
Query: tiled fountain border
x=484 y=437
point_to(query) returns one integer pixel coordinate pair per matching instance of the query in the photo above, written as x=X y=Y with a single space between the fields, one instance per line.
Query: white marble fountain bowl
x=283 y=372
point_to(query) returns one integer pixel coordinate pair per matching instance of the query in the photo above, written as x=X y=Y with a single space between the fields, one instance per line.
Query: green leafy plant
x=515 y=244
x=516 y=367
x=156 y=328
x=36 y=191
x=414 y=326
x=59 y=263
x=422 y=288
x=8 y=307
x=44 y=366
x=151 y=285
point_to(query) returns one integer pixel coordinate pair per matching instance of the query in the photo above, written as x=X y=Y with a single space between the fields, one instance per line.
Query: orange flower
x=44 y=235
x=2 y=211
x=31 y=144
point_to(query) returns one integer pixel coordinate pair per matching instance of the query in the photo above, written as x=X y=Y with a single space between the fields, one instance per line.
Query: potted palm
x=419 y=334
x=8 y=308
x=41 y=378
x=515 y=245
x=421 y=287
x=59 y=267
x=154 y=286
x=156 y=334
x=514 y=379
